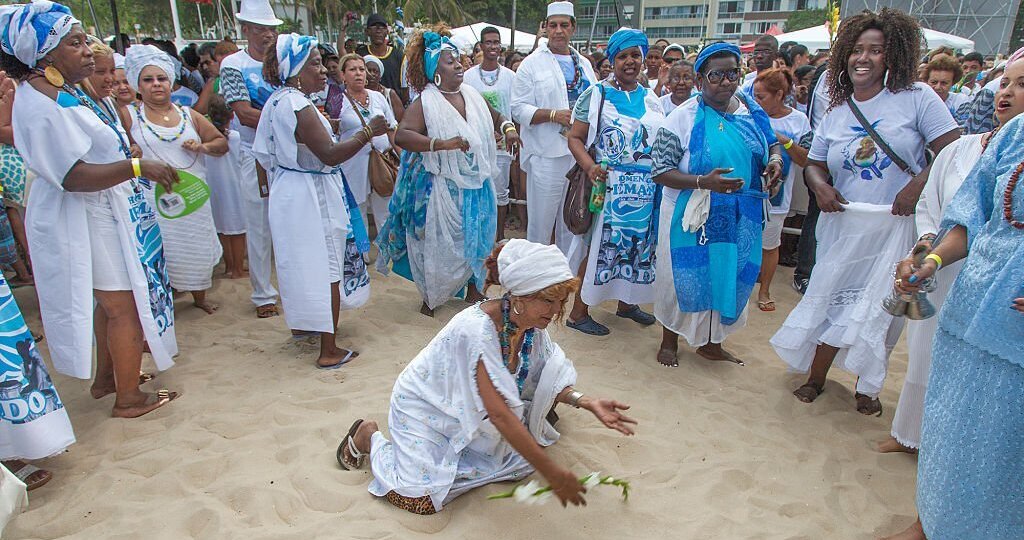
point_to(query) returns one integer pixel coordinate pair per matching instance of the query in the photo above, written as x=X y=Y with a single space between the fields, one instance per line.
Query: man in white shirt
x=545 y=89
x=245 y=90
x=494 y=81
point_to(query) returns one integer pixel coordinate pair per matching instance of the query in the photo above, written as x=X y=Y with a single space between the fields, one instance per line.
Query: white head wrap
x=138 y=57
x=561 y=8
x=30 y=31
x=526 y=267
x=371 y=59
x=118 y=61
x=292 y=52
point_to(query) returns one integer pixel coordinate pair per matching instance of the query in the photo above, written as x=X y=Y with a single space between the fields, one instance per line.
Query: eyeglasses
x=716 y=76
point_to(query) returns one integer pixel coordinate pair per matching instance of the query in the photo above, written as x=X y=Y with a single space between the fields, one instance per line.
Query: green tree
x=809 y=18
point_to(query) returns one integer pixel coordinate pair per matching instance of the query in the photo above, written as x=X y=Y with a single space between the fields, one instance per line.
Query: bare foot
x=206 y=306
x=914 y=532
x=336 y=358
x=892 y=445
x=241 y=274
x=363 y=435
x=149 y=403
x=473 y=296
x=668 y=357
x=426 y=311
x=715 y=353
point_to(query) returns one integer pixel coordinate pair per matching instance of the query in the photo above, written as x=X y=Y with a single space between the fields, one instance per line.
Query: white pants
x=545 y=196
x=257 y=237
x=502 y=180
x=379 y=205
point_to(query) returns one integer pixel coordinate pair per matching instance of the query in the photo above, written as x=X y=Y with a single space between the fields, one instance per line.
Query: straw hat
x=258 y=12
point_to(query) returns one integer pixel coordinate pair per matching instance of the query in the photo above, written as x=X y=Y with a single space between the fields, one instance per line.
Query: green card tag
x=188 y=195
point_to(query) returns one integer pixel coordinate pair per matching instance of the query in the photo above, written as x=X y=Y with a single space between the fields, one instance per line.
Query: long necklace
x=142 y=118
x=145 y=122
x=492 y=82
x=1008 y=197
x=577 y=79
x=508 y=328
x=364 y=110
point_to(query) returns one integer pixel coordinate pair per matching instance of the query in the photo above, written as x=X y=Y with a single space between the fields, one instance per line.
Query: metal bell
x=919 y=307
x=895 y=304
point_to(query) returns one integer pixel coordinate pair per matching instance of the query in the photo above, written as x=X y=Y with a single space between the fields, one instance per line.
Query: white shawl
x=443 y=121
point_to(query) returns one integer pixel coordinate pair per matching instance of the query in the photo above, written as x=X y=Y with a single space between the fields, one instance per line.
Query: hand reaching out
x=608 y=412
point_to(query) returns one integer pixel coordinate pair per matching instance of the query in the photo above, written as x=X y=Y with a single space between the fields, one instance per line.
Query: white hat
x=258 y=12
x=561 y=8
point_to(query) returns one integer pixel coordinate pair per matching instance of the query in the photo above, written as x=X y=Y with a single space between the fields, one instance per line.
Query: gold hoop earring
x=437 y=80
x=515 y=309
x=53 y=76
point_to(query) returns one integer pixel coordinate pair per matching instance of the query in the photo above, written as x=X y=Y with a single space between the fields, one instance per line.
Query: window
x=675 y=32
x=601 y=31
x=675 y=12
x=729 y=28
x=731 y=9
x=606 y=12
x=767 y=5
x=761 y=27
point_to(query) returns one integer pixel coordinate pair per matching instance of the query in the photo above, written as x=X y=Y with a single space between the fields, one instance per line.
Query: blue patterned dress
x=971 y=465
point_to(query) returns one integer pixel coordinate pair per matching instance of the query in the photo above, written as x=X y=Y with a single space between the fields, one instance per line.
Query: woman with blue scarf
x=318 y=234
x=92 y=233
x=443 y=214
x=619 y=117
x=710 y=156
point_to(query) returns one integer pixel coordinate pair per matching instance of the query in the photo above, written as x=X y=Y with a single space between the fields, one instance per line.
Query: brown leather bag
x=576 y=211
x=382 y=167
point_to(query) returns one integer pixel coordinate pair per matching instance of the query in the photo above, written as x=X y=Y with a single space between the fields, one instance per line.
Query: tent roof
x=816 y=38
x=467 y=36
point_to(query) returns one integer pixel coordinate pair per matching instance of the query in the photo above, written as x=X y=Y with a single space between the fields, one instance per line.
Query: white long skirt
x=698 y=328
x=191 y=247
x=223 y=177
x=857 y=252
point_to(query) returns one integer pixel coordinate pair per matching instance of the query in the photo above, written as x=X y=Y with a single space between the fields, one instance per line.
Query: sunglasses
x=716 y=76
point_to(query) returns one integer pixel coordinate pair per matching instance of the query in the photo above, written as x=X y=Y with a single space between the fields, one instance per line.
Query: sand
x=723 y=451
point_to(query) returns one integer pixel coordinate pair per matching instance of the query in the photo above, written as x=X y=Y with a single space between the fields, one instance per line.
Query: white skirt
x=857 y=252
x=222 y=175
x=109 y=269
x=191 y=247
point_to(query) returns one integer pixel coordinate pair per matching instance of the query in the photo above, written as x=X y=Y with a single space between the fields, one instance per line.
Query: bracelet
x=368 y=132
x=136 y=167
x=503 y=127
x=511 y=127
x=927 y=237
x=936 y=258
x=698 y=181
x=788 y=144
x=776 y=158
x=574 y=398
x=551 y=116
x=432 y=140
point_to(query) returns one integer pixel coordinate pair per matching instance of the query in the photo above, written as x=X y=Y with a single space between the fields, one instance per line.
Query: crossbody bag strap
x=600 y=112
x=355 y=108
x=879 y=140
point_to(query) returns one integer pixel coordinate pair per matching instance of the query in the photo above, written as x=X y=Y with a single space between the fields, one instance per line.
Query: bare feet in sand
x=715 y=353
x=105 y=387
x=668 y=358
x=914 y=532
x=892 y=445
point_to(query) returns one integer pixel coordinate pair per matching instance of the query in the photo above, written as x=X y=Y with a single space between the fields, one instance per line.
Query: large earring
x=515 y=309
x=841 y=73
x=437 y=79
x=53 y=76
x=885 y=79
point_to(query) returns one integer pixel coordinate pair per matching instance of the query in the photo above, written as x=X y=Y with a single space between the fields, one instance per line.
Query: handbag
x=382 y=167
x=576 y=210
x=903 y=165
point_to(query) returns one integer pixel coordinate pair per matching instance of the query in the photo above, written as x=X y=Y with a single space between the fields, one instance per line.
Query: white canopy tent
x=467 y=36
x=816 y=38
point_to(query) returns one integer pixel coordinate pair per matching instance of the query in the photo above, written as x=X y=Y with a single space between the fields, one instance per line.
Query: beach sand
x=247 y=451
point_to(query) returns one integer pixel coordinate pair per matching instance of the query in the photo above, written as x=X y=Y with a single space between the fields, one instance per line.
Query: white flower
x=542 y=498
x=592 y=480
x=524 y=493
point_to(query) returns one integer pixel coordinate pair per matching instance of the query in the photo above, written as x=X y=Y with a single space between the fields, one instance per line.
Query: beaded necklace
x=149 y=127
x=508 y=328
x=577 y=79
x=492 y=82
x=1011 y=185
x=364 y=110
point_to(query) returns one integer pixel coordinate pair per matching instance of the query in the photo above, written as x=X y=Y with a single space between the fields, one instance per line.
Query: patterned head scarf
x=433 y=45
x=715 y=48
x=626 y=38
x=139 y=57
x=30 y=31
x=292 y=52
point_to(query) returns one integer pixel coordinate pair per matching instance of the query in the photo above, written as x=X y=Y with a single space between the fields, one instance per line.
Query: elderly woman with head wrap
x=374 y=69
x=717 y=162
x=182 y=138
x=92 y=230
x=618 y=117
x=472 y=408
x=319 y=237
x=443 y=213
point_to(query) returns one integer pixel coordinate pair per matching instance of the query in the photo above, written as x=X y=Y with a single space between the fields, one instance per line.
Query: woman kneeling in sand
x=472 y=407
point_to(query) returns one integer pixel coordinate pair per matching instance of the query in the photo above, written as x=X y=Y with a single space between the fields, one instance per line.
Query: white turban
x=139 y=57
x=118 y=61
x=30 y=31
x=561 y=8
x=526 y=267
x=373 y=59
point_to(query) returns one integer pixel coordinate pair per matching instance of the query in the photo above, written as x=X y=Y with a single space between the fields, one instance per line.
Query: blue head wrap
x=715 y=48
x=433 y=45
x=30 y=31
x=292 y=52
x=626 y=38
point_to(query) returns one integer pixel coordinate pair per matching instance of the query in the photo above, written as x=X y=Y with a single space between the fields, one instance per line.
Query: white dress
x=62 y=226
x=949 y=170
x=442 y=443
x=309 y=220
x=190 y=242
x=225 y=181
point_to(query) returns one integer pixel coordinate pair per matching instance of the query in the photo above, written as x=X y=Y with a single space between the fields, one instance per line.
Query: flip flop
x=637 y=315
x=27 y=470
x=766 y=306
x=349 y=443
x=588 y=325
x=342 y=362
x=805 y=396
x=267 y=311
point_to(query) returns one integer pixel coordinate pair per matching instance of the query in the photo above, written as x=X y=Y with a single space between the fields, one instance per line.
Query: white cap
x=258 y=12
x=561 y=8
